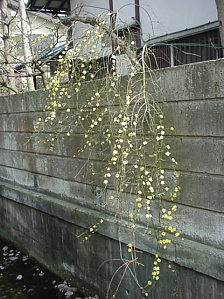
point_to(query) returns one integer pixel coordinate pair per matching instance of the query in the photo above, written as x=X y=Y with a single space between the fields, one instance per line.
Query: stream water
x=23 y=278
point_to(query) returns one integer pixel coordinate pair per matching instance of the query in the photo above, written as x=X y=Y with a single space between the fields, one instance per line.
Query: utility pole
x=8 y=75
x=26 y=45
x=220 y=11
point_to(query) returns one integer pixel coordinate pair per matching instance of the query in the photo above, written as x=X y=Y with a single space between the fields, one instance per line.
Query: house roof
x=50 y=6
x=185 y=33
x=47 y=54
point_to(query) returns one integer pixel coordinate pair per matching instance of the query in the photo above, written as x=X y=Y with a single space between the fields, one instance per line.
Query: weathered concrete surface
x=190 y=118
x=192 y=184
x=46 y=201
x=206 y=153
x=53 y=242
x=207 y=226
x=191 y=82
x=85 y=217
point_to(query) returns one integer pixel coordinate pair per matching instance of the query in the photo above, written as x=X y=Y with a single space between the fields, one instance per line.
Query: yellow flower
x=174 y=208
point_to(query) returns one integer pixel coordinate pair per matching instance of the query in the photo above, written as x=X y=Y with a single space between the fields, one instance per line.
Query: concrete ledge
x=191 y=184
x=200 y=257
x=92 y=264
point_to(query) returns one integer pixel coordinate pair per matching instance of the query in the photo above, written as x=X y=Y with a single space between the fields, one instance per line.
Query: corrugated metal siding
x=196 y=48
x=159 y=56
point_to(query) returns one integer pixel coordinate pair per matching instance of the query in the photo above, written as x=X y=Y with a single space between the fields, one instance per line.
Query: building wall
x=46 y=202
x=159 y=17
x=92 y=9
x=165 y=17
x=88 y=8
x=42 y=32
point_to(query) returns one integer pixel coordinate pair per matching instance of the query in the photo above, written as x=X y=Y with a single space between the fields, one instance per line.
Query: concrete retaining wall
x=44 y=203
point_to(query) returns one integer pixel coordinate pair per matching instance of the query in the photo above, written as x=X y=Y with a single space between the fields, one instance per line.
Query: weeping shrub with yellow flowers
x=121 y=124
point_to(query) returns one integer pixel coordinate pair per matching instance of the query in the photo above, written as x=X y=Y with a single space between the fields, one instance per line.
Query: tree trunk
x=26 y=45
x=220 y=10
x=43 y=75
x=8 y=75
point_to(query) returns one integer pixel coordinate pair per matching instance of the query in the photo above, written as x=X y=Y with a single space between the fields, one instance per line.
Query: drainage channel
x=23 y=278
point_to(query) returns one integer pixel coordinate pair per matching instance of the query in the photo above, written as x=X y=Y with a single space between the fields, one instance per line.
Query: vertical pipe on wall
x=111 y=7
x=137 y=11
x=69 y=37
x=137 y=18
x=112 y=20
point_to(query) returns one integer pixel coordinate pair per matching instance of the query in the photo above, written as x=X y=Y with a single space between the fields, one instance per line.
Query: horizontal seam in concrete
x=183 y=136
x=95 y=160
x=34 y=133
x=166 y=101
x=21 y=112
x=44 y=191
x=168 y=169
x=213 y=99
x=53 y=155
x=39 y=173
x=37 y=133
x=190 y=206
x=187 y=136
x=196 y=172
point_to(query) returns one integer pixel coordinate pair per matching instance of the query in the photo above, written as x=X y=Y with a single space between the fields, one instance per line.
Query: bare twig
x=3 y=84
x=115 y=38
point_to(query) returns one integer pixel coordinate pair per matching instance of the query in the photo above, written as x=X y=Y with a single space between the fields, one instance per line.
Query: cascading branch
x=122 y=124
